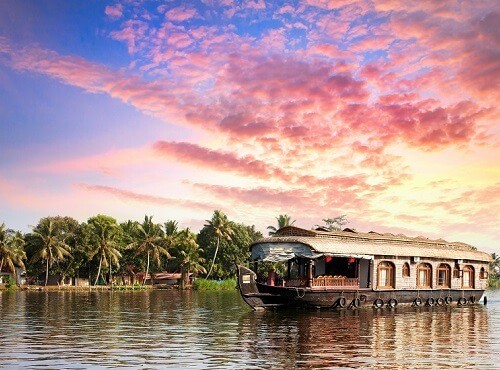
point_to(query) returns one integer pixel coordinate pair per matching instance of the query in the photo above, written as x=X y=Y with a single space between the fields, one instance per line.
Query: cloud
x=181 y=14
x=222 y=161
x=114 y=11
x=127 y=195
x=328 y=109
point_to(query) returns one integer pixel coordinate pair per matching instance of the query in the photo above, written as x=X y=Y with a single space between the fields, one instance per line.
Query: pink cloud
x=127 y=195
x=222 y=161
x=254 y=4
x=132 y=33
x=181 y=14
x=114 y=11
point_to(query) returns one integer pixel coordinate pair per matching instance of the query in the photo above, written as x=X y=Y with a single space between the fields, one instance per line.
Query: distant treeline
x=105 y=251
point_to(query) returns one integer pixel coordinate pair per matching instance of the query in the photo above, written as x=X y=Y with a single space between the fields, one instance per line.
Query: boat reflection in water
x=189 y=329
x=409 y=338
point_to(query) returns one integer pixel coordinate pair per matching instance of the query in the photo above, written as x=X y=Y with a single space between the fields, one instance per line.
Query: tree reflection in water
x=172 y=329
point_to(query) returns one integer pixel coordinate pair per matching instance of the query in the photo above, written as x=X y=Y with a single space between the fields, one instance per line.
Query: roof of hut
x=372 y=243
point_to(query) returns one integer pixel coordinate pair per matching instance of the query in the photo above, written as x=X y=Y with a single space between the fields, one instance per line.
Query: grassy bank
x=494 y=283
x=203 y=284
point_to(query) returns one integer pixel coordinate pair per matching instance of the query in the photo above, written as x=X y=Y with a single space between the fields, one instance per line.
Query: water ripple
x=171 y=329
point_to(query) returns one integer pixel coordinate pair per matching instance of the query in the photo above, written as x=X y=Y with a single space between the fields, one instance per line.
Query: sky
x=384 y=111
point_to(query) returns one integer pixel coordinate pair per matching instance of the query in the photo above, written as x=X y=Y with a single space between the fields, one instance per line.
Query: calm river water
x=172 y=329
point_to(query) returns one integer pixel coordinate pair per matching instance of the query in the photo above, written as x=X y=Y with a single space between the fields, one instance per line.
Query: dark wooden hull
x=261 y=296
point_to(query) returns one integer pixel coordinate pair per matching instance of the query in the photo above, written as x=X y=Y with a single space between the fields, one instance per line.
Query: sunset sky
x=385 y=111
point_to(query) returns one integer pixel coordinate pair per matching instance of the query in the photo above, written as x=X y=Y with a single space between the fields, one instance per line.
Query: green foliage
x=283 y=220
x=101 y=247
x=495 y=266
x=189 y=256
x=103 y=238
x=494 y=282
x=204 y=284
x=12 y=252
x=335 y=223
x=234 y=250
x=221 y=229
x=148 y=239
x=49 y=241
x=11 y=283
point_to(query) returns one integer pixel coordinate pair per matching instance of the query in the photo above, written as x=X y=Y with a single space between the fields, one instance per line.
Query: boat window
x=456 y=272
x=468 y=277
x=424 y=275
x=483 y=274
x=406 y=269
x=385 y=275
x=444 y=276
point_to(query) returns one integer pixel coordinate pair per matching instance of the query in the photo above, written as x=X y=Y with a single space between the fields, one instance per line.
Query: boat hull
x=262 y=296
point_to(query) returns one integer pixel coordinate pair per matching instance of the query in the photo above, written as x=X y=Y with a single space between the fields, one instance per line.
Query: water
x=199 y=330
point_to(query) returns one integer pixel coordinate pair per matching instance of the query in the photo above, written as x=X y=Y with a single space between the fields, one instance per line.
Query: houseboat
x=348 y=269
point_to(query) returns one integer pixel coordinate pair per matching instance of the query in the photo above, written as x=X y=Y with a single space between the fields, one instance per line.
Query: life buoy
x=440 y=301
x=417 y=301
x=448 y=299
x=430 y=301
x=355 y=303
x=340 y=302
x=462 y=301
x=472 y=299
x=378 y=303
x=393 y=302
x=299 y=290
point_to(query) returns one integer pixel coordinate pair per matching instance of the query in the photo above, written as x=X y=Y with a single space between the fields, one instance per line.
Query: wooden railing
x=299 y=282
x=335 y=281
x=326 y=281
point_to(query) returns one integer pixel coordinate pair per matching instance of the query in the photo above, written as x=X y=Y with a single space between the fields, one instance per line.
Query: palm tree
x=283 y=220
x=105 y=232
x=11 y=249
x=221 y=227
x=495 y=265
x=171 y=237
x=149 y=240
x=50 y=244
x=190 y=256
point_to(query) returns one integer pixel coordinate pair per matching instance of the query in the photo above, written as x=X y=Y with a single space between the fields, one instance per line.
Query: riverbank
x=198 y=284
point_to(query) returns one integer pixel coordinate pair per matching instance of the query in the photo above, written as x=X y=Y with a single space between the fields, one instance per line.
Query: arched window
x=444 y=276
x=468 y=277
x=385 y=275
x=424 y=276
x=456 y=271
x=483 y=274
x=406 y=269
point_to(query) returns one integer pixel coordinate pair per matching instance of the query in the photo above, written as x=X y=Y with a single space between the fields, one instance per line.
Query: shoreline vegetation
x=62 y=253
x=199 y=284
x=103 y=254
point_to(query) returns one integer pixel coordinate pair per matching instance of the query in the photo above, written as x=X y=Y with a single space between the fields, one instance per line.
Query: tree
x=130 y=263
x=149 y=240
x=283 y=220
x=104 y=235
x=190 y=259
x=12 y=253
x=495 y=265
x=171 y=236
x=335 y=223
x=231 y=252
x=221 y=228
x=49 y=244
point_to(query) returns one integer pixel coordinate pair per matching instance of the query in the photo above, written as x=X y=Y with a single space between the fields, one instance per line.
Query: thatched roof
x=350 y=242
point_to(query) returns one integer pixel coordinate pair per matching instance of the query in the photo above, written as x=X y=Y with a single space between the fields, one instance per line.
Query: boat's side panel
x=370 y=298
x=252 y=295
x=260 y=296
